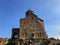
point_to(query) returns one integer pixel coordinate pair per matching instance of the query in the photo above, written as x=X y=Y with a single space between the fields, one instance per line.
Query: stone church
x=32 y=28
x=31 y=32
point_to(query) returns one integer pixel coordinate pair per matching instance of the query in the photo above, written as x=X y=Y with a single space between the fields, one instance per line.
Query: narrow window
x=32 y=35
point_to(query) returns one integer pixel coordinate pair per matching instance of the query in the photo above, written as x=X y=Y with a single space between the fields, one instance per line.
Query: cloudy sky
x=12 y=10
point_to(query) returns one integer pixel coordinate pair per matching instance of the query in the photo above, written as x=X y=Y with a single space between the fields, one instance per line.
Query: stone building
x=32 y=28
x=54 y=42
x=3 y=41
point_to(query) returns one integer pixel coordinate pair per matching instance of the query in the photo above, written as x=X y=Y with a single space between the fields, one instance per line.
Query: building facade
x=32 y=28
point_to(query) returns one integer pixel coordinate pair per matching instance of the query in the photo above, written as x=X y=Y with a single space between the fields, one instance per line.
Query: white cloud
x=53 y=31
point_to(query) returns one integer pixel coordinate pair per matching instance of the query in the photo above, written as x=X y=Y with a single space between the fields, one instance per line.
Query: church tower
x=32 y=28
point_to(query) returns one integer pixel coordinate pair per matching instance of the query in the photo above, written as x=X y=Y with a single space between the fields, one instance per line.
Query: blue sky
x=12 y=10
